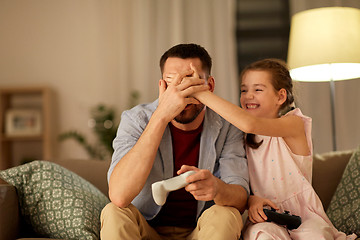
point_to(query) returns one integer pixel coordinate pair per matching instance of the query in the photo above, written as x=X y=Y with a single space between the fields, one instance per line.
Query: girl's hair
x=280 y=79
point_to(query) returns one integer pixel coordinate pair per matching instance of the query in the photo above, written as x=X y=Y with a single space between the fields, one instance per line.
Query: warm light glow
x=324 y=44
x=326 y=72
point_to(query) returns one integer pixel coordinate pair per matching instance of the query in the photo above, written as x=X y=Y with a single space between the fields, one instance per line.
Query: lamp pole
x=332 y=106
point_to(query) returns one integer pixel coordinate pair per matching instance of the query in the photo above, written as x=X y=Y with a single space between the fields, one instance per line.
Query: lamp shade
x=324 y=44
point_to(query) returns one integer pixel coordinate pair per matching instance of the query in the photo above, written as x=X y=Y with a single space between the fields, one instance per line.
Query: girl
x=279 y=152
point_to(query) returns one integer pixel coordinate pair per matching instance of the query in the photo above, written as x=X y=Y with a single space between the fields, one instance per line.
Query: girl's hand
x=256 y=205
x=200 y=94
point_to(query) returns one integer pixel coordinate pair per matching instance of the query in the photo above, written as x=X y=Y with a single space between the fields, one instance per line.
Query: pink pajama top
x=285 y=178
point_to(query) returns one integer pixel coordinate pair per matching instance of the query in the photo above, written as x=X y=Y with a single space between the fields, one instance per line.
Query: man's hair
x=185 y=51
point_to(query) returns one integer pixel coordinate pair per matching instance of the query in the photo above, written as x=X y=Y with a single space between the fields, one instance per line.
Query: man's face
x=175 y=65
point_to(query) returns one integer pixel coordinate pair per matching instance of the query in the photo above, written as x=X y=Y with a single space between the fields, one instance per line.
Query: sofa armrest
x=9 y=212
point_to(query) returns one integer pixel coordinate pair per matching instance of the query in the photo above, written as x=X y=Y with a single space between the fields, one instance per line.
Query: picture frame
x=23 y=122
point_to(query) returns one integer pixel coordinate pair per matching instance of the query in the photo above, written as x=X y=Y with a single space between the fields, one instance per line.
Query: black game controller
x=286 y=219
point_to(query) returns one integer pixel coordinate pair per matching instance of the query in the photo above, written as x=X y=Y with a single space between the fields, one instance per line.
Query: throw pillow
x=344 y=208
x=56 y=202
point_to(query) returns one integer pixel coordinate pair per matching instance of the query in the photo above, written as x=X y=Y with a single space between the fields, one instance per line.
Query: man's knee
x=228 y=214
x=223 y=215
x=110 y=207
x=112 y=212
x=220 y=222
x=120 y=223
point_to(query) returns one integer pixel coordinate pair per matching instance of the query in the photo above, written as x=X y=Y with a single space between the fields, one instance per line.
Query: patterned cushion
x=56 y=202
x=344 y=208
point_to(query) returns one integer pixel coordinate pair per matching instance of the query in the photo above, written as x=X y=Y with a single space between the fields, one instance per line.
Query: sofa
x=327 y=172
x=13 y=226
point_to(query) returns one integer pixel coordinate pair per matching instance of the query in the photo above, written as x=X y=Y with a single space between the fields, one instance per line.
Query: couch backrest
x=327 y=172
x=94 y=171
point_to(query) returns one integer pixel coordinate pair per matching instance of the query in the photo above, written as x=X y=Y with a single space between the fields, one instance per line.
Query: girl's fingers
x=190 y=82
x=257 y=215
x=260 y=217
x=271 y=204
x=180 y=76
x=177 y=80
x=262 y=214
x=169 y=78
x=195 y=74
x=193 y=89
x=254 y=217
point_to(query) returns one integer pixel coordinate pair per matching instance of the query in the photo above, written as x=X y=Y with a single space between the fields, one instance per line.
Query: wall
x=70 y=46
x=75 y=47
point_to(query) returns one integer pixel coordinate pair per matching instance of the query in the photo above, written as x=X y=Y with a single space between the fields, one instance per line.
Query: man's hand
x=174 y=94
x=203 y=184
x=256 y=206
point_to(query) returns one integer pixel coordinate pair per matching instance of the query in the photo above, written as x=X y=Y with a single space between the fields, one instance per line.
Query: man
x=168 y=137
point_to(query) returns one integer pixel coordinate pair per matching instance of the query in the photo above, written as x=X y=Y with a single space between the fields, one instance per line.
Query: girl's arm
x=288 y=126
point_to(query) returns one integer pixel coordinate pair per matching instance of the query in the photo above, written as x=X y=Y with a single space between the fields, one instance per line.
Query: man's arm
x=231 y=195
x=130 y=173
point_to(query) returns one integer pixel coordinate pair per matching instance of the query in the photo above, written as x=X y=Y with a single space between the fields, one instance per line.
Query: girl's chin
x=252 y=111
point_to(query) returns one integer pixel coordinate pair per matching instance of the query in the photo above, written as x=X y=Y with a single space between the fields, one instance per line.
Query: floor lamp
x=324 y=45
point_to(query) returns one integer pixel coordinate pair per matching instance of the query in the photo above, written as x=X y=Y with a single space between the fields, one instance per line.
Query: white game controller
x=161 y=189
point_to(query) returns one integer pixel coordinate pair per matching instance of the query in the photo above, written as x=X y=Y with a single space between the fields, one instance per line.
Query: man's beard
x=189 y=115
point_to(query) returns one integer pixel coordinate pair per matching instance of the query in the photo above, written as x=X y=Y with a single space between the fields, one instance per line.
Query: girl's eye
x=258 y=90
x=243 y=91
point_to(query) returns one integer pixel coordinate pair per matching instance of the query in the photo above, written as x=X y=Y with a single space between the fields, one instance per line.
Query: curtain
x=90 y=52
x=147 y=28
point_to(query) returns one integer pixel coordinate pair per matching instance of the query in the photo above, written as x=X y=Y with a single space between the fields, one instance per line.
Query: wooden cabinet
x=25 y=125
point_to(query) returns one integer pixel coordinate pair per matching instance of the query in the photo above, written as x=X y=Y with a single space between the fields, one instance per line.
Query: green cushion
x=56 y=202
x=344 y=208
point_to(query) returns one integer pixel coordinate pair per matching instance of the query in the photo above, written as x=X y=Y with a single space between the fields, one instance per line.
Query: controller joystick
x=161 y=189
x=286 y=219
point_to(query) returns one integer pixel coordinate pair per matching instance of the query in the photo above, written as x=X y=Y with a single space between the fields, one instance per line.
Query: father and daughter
x=278 y=149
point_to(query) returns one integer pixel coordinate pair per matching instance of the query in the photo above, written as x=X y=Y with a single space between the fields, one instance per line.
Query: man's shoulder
x=139 y=115
x=215 y=118
x=142 y=110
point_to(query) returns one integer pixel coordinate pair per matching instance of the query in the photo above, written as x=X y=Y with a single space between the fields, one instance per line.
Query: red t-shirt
x=181 y=207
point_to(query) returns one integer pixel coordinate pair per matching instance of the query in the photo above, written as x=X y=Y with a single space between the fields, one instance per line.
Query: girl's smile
x=251 y=106
x=258 y=96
